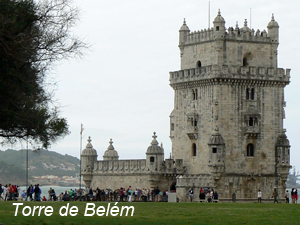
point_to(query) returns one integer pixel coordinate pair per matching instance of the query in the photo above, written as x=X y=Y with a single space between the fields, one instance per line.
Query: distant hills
x=40 y=163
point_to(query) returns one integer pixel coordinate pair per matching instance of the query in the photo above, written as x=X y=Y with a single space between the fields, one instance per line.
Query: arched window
x=151 y=159
x=199 y=64
x=247 y=58
x=250 y=150
x=194 y=149
x=245 y=63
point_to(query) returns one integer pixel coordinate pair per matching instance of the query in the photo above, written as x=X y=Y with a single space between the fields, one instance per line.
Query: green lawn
x=162 y=213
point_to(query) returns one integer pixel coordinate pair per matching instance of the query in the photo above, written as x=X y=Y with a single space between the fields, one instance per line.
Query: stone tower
x=154 y=155
x=227 y=121
x=88 y=157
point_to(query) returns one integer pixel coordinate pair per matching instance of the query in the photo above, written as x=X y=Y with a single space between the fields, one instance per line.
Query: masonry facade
x=226 y=127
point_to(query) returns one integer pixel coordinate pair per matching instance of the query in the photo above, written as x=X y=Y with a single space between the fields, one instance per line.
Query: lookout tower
x=227 y=121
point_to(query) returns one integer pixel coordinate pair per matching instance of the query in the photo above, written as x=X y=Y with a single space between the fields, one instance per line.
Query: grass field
x=162 y=213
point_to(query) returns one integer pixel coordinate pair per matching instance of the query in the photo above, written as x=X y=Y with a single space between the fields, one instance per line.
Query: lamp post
x=81 y=130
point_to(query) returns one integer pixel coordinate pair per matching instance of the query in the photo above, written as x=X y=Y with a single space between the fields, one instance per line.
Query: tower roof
x=154 y=148
x=272 y=23
x=282 y=141
x=216 y=138
x=110 y=152
x=89 y=150
x=219 y=18
x=245 y=27
x=184 y=27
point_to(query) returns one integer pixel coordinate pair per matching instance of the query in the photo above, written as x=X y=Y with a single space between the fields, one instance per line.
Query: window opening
x=252 y=93
x=172 y=126
x=194 y=149
x=199 y=64
x=251 y=121
x=151 y=159
x=250 y=150
x=245 y=63
x=214 y=150
x=195 y=94
x=247 y=94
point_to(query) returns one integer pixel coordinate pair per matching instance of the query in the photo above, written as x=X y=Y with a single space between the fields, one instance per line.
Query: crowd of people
x=11 y=192
x=34 y=193
x=205 y=195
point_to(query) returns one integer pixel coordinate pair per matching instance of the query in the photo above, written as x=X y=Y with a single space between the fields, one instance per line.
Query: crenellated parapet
x=120 y=166
x=232 y=74
x=196 y=37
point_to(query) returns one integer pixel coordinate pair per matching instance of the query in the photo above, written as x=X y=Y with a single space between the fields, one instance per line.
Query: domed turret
x=219 y=26
x=273 y=23
x=283 y=153
x=283 y=141
x=110 y=153
x=216 y=153
x=154 y=155
x=219 y=19
x=245 y=28
x=273 y=30
x=184 y=27
x=88 y=160
x=89 y=150
x=184 y=30
x=154 y=148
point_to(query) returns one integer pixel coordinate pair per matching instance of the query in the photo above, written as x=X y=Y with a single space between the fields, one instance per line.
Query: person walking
x=287 y=197
x=191 y=194
x=275 y=195
x=259 y=195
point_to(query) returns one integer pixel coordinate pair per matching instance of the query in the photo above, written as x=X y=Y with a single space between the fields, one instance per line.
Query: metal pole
x=27 y=165
x=250 y=19
x=81 y=129
x=208 y=14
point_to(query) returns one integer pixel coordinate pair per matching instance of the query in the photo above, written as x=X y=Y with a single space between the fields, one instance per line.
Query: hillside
x=40 y=163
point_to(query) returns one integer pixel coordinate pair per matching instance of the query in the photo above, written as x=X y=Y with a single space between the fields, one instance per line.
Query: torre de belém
x=226 y=127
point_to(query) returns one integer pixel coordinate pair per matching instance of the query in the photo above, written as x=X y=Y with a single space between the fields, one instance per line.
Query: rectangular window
x=251 y=121
x=214 y=150
x=172 y=126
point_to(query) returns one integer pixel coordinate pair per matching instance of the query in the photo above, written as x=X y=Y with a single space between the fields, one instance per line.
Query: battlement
x=230 y=72
x=120 y=166
x=230 y=35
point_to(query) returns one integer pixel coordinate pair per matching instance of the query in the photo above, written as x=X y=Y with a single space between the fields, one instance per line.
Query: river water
x=57 y=189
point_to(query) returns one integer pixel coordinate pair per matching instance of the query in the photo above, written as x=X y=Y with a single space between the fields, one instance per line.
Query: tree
x=33 y=36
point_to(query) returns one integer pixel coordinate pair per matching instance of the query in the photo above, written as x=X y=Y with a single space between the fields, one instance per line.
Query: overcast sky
x=120 y=90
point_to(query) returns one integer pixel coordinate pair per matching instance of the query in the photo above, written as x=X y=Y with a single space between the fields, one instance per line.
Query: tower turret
x=110 y=153
x=154 y=155
x=219 y=26
x=273 y=30
x=183 y=32
x=217 y=153
x=88 y=157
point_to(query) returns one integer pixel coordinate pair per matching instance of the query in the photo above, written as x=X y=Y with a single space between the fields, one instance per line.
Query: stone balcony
x=232 y=74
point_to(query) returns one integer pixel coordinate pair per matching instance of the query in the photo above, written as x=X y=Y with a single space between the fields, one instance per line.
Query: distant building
x=227 y=124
